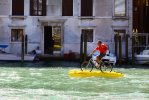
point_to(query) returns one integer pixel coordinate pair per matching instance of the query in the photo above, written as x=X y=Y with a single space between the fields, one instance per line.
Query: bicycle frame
x=103 y=67
x=89 y=64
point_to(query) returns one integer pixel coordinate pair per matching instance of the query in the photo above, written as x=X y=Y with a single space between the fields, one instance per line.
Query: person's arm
x=92 y=52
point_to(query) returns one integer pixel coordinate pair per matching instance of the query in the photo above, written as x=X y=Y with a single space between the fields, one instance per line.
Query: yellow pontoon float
x=87 y=73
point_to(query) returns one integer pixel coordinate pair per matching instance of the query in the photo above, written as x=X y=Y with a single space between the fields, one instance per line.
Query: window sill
x=15 y=42
x=86 y=17
x=121 y=17
x=17 y=17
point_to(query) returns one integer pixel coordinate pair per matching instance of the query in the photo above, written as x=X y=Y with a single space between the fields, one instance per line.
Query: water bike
x=103 y=66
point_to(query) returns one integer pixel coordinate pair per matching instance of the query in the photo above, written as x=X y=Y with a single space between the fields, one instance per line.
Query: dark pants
x=101 y=56
x=98 y=58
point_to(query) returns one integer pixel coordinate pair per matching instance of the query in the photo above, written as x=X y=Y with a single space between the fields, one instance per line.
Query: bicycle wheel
x=106 y=66
x=87 y=66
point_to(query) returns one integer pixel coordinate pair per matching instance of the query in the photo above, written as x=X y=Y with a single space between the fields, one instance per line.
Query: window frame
x=43 y=9
x=21 y=6
x=120 y=15
x=63 y=7
x=17 y=29
x=85 y=10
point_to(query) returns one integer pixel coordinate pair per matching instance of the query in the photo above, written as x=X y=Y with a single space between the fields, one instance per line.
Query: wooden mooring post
x=22 y=49
x=126 y=48
x=83 y=47
x=26 y=39
x=133 y=51
x=115 y=39
x=120 y=50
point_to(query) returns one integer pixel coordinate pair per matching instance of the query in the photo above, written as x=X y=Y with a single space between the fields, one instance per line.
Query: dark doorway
x=141 y=15
x=48 y=40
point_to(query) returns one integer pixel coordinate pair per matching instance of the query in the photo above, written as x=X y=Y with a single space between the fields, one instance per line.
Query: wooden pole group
x=118 y=48
x=22 y=49
x=83 y=47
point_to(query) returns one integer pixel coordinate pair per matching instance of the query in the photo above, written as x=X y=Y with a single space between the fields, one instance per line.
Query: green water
x=31 y=83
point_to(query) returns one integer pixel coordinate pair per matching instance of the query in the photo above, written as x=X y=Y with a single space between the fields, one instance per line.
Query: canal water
x=53 y=83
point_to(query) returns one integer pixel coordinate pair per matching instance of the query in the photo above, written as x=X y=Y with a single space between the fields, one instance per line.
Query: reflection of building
x=65 y=21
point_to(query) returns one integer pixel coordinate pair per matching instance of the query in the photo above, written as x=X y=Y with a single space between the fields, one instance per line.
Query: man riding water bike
x=102 y=48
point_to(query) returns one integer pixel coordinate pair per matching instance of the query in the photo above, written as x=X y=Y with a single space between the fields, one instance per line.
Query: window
x=37 y=7
x=67 y=7
x=120 y=8
x=89 y=34
x=86 y=7
x=16 y=35
x=18 y=7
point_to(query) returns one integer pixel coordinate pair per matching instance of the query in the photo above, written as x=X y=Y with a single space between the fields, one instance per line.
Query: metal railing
x=141 y=42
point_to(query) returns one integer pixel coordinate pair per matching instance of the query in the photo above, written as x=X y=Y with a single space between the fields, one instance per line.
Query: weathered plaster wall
x=4 y=7
x=102 y=24
x=103 y=8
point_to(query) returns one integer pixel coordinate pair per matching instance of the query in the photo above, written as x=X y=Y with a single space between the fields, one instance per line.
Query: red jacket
x=102 y=49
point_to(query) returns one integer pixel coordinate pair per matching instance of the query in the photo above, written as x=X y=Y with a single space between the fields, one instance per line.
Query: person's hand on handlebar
x=90 y=54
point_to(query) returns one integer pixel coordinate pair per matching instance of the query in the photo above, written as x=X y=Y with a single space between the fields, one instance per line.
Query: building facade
x=55 y=26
